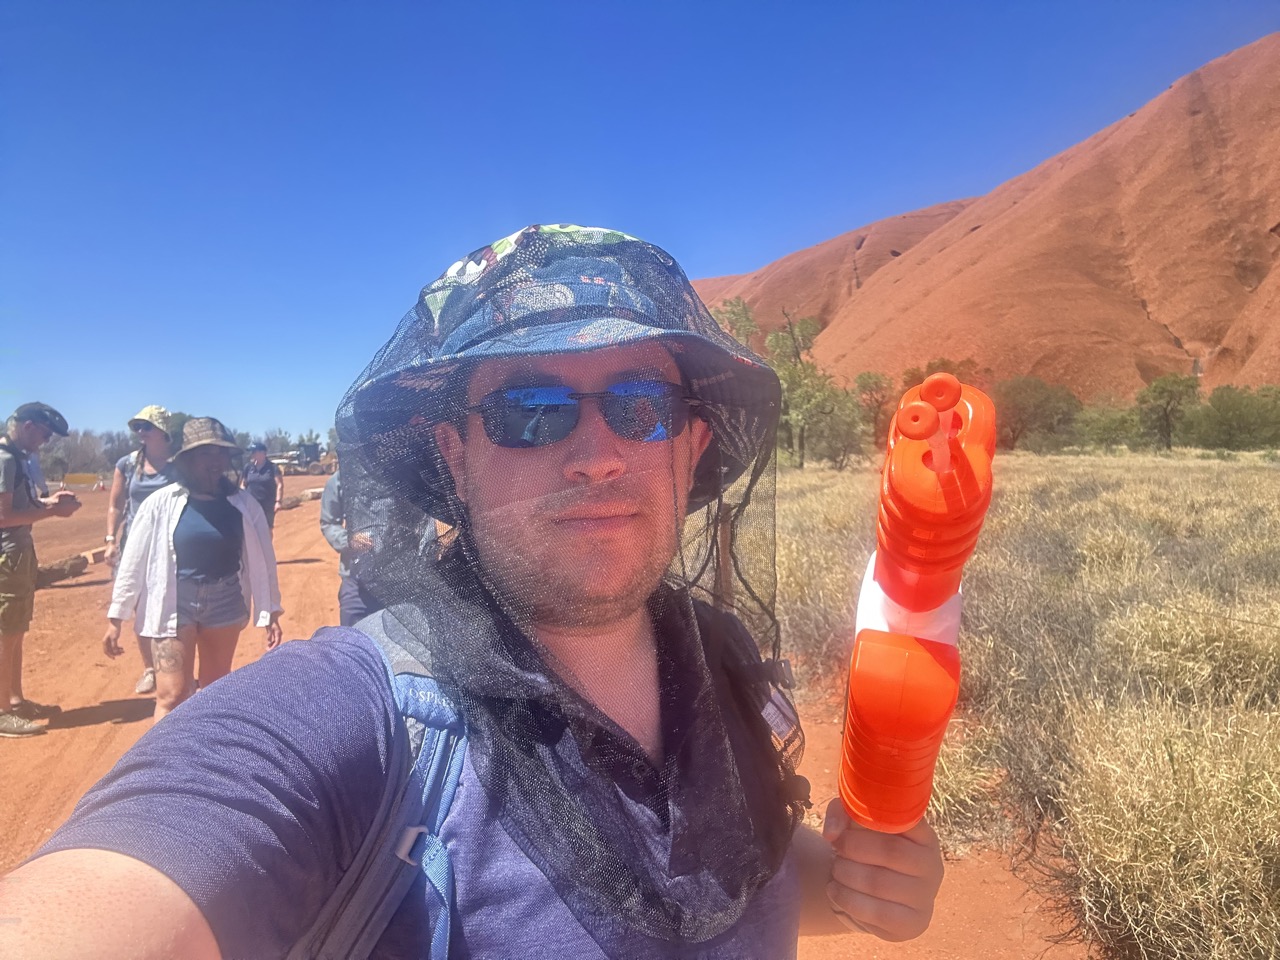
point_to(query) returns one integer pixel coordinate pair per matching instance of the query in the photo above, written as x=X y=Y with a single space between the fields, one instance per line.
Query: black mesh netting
x=674 y=846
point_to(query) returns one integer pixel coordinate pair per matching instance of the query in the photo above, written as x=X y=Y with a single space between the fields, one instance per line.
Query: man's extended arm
x=72 y=905
x=857 y=879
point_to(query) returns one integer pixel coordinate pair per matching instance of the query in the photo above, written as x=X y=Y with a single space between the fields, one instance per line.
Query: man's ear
x=451 y=447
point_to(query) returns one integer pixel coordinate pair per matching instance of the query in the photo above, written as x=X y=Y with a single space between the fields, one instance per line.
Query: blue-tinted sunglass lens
x=531 y=416
x=643 y=410
x=638 y=410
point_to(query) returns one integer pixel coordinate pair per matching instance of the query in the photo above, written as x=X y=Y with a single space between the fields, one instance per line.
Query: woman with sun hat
x=137 y=475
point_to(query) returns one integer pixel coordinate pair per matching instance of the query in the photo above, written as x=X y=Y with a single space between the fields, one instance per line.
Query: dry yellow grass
x=1121 y=649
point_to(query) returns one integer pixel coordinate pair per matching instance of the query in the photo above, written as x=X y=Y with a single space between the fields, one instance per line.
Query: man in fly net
x=603 y=453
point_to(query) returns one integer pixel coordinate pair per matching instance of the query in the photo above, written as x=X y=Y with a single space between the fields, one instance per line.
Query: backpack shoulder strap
x=20 y=458
x=424 y=766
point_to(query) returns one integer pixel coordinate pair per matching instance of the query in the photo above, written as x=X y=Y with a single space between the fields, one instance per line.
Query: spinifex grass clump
x=1141 y=593
x=1171 y=821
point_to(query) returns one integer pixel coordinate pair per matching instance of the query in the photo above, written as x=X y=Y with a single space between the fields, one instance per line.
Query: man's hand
x=360 y=542
x=62 y=504
x=274 y=633
x=111 y=555
x=111 y=641
x=882 y=883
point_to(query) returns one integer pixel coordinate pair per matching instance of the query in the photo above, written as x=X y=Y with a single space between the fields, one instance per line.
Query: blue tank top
x=208 y=540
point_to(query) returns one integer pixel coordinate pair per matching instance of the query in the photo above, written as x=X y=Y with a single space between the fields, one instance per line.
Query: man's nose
x=594 y=451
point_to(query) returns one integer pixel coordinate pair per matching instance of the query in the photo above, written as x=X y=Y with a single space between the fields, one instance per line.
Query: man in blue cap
x=21 y=505
x=592 y=657
x=262 y=479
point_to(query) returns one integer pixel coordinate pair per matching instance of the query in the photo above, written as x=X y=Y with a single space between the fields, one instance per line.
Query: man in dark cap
x=21 y=505
x=582 y=689
x=262 y=479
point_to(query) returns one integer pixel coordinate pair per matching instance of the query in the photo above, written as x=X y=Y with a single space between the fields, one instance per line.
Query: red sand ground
x=983 y=910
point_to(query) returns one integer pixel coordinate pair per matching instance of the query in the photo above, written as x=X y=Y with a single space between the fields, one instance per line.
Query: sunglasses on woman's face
x=143 y=428
x=646 y=411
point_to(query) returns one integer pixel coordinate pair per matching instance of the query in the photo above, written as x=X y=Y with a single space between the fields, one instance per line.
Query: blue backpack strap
x=424 y=766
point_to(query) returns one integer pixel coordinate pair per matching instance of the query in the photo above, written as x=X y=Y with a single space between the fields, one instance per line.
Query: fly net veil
x=601 y=605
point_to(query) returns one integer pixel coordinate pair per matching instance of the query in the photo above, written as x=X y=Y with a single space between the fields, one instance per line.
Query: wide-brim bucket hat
x=557 y=289
x=204 y=432
x=153 y=414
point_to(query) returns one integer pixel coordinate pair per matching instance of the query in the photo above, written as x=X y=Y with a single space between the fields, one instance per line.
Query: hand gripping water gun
x=905 y=670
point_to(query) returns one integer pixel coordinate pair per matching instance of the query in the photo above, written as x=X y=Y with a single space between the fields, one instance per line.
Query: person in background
x=354 y=601
x=262 y=479
x=198 y=558
x=30 y=427
x=137 y=475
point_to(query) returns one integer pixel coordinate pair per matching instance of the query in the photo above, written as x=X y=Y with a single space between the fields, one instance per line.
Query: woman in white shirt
x=198 y=560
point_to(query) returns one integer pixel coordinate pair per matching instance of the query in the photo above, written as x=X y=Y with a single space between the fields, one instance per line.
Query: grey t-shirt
x=14 y=479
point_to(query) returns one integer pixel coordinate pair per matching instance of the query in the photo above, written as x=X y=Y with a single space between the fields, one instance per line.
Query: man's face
x=204 y=466
x=259 y=457
x=579 y=531
x=32 y=435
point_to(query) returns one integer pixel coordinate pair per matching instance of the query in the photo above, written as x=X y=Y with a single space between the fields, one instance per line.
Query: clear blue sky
x=225 y=206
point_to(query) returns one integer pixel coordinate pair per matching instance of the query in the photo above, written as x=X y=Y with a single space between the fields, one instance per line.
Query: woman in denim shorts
x=199 y=560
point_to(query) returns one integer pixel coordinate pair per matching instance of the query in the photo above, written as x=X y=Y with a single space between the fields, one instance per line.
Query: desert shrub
x=1192 y=654
x=1172 y=829
x=825 y=535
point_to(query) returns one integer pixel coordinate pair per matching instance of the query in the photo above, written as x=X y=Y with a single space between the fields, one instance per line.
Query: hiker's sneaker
x=30 y=710
x=147 y=682
x=12 y=725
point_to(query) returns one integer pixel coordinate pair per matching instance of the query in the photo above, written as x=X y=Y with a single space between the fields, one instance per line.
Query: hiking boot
x=12 y=725
x=147 y=682
x=30 y=710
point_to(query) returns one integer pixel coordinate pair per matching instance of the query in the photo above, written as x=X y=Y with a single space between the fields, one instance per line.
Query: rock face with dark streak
x=1149 y=248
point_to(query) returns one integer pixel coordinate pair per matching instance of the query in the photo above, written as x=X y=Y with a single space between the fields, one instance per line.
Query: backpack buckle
x=780 y=673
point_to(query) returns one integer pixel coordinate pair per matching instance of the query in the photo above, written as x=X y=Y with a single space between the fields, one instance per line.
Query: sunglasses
x=646 y=411
x=143 y=428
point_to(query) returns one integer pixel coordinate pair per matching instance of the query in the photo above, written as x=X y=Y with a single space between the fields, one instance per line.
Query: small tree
x=838 y=432
x=1028 y=405
x=177 y=420
x=736 y=317
x=966 y=371
x=116 y=444
x=878 y=399
x=1164 y=403
x=277 y=440
x=1233 y=418
x=333 y=440
x=804 y=386
x=1106 y=425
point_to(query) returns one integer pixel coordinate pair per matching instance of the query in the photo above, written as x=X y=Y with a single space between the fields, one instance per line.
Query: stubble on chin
x=538 y=586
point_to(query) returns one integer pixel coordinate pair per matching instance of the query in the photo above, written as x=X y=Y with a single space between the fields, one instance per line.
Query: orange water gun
x=904 y=673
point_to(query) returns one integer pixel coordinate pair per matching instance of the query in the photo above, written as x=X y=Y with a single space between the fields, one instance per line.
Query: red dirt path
x=983 y=910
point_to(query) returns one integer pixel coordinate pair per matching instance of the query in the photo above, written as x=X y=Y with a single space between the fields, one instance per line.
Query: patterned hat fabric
x=205 y=432
x=561 y=289
x=153 y=414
